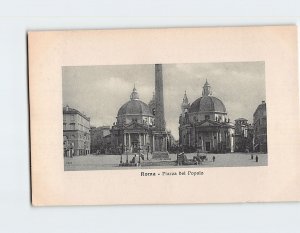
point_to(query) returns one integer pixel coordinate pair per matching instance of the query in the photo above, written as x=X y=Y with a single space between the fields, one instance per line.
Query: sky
x=99 y=91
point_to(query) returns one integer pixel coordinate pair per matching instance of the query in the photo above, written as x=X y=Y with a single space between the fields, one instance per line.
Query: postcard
x=164 y=116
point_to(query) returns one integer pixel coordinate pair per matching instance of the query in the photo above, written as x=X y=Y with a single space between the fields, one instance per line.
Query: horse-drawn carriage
x=200 y=158
x=183 y=160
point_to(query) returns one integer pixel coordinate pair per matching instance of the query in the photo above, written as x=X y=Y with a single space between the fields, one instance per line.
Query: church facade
x=204 y=126
x=141 y=127
x=133 y=130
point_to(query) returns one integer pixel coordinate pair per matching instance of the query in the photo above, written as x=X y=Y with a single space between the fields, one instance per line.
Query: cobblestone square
x=108 y=162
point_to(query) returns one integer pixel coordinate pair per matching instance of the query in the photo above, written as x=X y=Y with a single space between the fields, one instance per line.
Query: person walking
x=214 y=158
x=256 y=159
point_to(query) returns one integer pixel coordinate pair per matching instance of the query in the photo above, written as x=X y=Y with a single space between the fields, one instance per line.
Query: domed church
x=204 y=124
x=133 y=128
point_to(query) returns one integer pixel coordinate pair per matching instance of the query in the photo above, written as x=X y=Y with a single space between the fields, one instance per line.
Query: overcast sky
x=99 y=91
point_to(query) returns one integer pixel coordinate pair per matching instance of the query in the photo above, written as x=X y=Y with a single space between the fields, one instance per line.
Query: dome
x=134 y=106
x=207 y=104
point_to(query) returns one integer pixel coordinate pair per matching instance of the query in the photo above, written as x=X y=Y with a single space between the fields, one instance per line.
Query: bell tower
x=185 y=103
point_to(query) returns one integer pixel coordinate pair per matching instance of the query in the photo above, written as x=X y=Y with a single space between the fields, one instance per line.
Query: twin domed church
x=204 y=124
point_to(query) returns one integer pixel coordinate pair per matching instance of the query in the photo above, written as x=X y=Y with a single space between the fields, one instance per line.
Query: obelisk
x=159 y=132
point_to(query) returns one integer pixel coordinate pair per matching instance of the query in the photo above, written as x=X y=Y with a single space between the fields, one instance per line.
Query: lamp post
x=139 y=148
x=121 y=161
x=148 y=149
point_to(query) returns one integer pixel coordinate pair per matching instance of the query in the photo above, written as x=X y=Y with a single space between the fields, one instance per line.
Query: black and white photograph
x=164 y=115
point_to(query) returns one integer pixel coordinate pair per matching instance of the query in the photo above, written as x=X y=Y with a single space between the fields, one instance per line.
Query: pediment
x=135 y=125
x=208 y=123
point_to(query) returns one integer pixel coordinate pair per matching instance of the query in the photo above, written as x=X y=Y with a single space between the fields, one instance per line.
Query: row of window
x=146 y=120
x=72 y=126
x=80 y=136
x=73 y=118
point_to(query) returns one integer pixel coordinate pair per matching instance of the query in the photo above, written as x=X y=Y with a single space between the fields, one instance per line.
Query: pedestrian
x=251 y=156
x=256 y=158
x=214 y=158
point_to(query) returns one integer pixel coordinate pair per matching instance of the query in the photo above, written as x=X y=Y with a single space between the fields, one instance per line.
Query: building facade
x=140 y=128
x=260 y=128
x=243 y=135
x=98 y=140
x=133 y=130
x=204 y=126
x=76 y=132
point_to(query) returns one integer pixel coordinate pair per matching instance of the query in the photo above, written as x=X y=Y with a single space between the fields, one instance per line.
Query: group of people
x=256 y=158
x=136 y=160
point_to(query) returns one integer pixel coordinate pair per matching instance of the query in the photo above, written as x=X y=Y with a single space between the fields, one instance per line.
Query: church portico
x=135 y=141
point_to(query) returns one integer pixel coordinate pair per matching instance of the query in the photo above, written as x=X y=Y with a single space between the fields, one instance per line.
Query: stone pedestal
x=161 y=155
x=160 y=146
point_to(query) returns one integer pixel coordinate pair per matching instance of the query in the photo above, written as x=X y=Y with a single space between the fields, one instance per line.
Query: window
x=72 y=126
x=207 y=117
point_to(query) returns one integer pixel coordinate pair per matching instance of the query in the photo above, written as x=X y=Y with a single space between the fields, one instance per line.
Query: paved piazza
x=108 y=162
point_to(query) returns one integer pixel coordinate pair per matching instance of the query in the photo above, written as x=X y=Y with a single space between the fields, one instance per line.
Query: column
x=124 y=139
x=129 y=142
x=144 y=139
x=217 y=141
x=140 y=139
x=166 y=139
x=153 y=142
x=231 y=142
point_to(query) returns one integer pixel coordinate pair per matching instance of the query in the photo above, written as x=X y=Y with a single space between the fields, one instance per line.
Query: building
x=133 y=130
x=260 y=128
x=204 y=125
x=76 y=132
x=140 y=128
x=171 y=139
x=98 y=141
x=243 y=135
